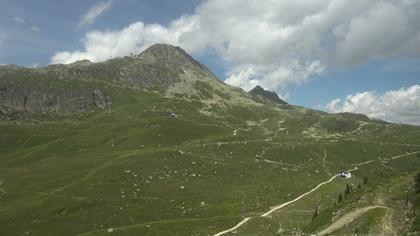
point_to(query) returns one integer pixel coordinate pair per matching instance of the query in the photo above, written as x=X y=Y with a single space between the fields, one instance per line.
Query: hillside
x=156 y=144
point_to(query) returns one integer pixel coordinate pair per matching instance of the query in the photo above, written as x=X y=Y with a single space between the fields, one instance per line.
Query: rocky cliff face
x=53 y=100
x=265 y=94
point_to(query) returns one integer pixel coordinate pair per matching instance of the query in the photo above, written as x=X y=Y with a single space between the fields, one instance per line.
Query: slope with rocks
x=81 y=86
x=261 y=93
x=135 y=169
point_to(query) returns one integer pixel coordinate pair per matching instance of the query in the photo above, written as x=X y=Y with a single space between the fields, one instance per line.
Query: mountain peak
x=167 y=52
x=258 y=91
x=162 y=49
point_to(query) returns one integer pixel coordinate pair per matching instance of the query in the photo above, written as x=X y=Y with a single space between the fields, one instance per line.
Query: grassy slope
x=185 y=176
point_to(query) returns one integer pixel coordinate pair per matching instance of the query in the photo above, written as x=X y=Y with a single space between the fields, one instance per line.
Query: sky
x=335 y=55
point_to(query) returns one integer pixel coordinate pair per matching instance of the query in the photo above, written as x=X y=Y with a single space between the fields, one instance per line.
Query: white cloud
x=101 y=46
x=402 y=106
x=94 y=12
x=275 y=77
x=18 y=20
x=385 y=30
x=274 y=43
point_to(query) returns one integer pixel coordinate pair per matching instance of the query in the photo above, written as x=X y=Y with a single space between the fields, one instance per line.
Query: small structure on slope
x=344 y=174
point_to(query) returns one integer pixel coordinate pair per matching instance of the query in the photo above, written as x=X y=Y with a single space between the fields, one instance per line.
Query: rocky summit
x=265 y=94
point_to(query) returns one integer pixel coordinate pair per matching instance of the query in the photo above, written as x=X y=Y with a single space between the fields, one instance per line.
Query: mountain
x=265 y=94
x=156 y=144
x=73 y=88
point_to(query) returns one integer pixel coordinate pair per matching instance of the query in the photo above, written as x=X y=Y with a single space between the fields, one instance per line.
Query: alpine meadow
x=209 y=117
x=155 y=144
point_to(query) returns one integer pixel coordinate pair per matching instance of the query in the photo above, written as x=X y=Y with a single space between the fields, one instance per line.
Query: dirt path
x=245 y=220
x=403 y=155
x=274 y=208
x=387 y=159
x=387 y=228
x=347 y=219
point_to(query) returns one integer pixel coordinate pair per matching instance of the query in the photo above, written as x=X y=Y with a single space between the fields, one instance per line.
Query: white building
x=345 y=174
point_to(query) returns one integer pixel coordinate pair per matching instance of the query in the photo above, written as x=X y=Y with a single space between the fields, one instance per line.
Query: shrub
x=348 y=190
x=315 y=215
x=340 y=198
x=417 y=183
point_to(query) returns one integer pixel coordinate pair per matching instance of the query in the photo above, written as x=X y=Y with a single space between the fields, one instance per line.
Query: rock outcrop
x=265 y=94
x=53 y=100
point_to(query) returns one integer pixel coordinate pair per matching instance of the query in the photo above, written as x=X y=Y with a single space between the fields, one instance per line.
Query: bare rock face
x=265 y=94
x=100 y=100
x=53 y=100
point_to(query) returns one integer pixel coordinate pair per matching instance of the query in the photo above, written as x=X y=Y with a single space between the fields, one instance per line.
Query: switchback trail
x=274 y=208
x=347 y=219
x=245 y=220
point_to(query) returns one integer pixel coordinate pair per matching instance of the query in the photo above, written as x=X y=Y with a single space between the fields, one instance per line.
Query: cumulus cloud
x=94 y=12
x=275 y=77
x=274 y=43
x=385 y=30
x=100 y=46
x=402 y=106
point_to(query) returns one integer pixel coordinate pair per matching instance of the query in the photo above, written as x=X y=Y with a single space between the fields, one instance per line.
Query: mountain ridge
x=157 y=67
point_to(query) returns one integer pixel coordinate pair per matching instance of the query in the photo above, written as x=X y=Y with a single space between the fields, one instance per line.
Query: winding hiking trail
x=347 y=219
x=274 y=208
x=245 y=220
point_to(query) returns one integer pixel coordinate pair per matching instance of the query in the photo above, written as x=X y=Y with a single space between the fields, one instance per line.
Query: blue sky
x=320 y=54
x=57 y=22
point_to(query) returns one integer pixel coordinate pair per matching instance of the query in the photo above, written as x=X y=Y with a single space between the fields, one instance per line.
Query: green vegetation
x=417 y=183
x=348 y=190
x=134 y=169
x=413 y=199
x=340 y=198
x=365 y=224
x=315 y=215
